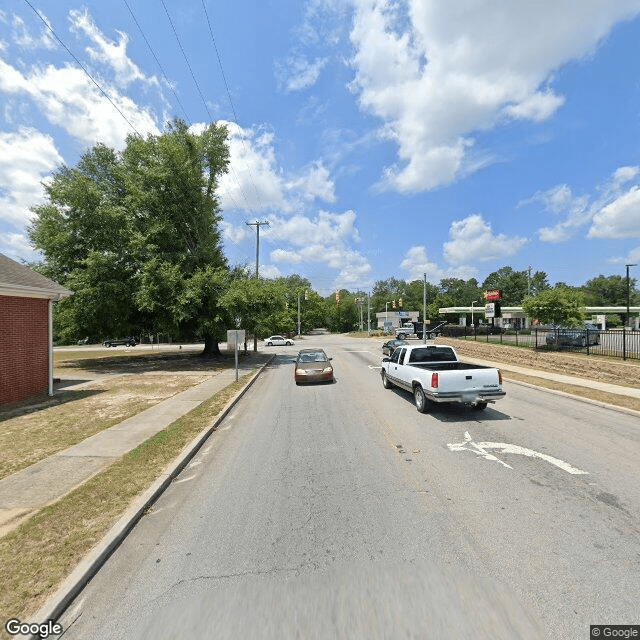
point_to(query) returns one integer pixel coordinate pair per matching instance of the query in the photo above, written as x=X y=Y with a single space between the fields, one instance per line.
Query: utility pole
x=298 y=315
x=369 y=313
x=529 y=281
x=257 y=224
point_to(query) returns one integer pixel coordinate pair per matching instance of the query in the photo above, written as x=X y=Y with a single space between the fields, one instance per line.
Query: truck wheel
x=401 y=336
x=480 y=406
x=385 y=381
x=420 y=399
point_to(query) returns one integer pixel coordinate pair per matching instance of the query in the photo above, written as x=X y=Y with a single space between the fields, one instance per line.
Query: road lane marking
x=375 y=366
x=480 y=448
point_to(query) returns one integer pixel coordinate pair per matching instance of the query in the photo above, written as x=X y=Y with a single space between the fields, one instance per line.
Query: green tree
x=605 y=291
x=462 y=292
x=135 y=235
x=515 y=285
x=561 y=306
x=257 y=305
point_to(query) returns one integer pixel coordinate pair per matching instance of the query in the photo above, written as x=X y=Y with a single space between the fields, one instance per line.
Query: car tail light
x=434 y=380
x=499 y=376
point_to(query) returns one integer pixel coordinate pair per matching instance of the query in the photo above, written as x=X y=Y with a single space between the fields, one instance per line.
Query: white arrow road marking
x=480 y=448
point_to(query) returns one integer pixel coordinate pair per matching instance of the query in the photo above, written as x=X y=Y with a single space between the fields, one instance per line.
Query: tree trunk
x=211 y=347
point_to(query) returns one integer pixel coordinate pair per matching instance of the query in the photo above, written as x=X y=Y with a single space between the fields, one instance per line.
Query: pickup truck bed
x=448 y=366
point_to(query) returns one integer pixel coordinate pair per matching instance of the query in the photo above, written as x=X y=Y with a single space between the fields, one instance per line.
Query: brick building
x=26 y=336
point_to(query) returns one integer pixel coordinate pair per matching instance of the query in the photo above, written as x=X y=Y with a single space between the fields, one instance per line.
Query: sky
x=378 y=138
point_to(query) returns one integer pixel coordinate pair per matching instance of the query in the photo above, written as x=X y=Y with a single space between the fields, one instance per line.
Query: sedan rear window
x=312 y=357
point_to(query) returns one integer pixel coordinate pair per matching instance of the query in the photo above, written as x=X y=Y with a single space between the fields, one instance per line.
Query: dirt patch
x=590 y=367
x=27 y=439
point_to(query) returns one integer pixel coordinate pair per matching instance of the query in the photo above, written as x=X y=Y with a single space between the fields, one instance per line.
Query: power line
x=153 y=53
x=175 y=33
x=233 y=109
x=102 y=91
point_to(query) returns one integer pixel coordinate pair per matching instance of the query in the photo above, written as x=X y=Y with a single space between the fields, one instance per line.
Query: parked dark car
x=391 y=345
x=573 y=337
x=129 y=341
x=313 y=365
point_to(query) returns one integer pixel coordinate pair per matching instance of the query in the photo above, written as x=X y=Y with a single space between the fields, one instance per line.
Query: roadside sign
x=492 y=310
x=234 y=338
x=492 y=295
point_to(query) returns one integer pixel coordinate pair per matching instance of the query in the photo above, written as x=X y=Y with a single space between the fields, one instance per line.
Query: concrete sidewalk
x=44 y=482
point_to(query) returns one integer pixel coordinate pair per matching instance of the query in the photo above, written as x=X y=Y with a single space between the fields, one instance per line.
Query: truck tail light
x=434 y=380
x=499 y=376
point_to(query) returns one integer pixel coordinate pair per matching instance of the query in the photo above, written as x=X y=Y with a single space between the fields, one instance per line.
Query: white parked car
x=278 y=341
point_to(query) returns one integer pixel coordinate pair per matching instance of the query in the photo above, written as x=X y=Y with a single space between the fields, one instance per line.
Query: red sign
x=492 y=294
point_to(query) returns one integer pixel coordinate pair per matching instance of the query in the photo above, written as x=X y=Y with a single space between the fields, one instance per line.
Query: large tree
x=609 y=291
x=560 y=306
x=515 y=285
x=257 y=305
x=135 y=234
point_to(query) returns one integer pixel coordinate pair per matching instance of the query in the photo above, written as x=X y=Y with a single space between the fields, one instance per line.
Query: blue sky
x=378 y=138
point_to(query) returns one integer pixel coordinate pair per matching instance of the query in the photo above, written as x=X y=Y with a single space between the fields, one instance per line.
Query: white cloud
x=298 y=73
x=327 y=228
x=107 y=51
x=27 y=157
x=269 y=271
x=324 y=240
x=436 y=72
x=256 y=183
x=620 y=218
x=232 y=233
x=417 y=264
x=16 y=246
x=615 y=213
x=69 y=99
x=560 y=199
x=472 y=239
x=23 y=37
x=633 y=257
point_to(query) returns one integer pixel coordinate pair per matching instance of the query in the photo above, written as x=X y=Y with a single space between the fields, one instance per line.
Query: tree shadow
x=456 y=412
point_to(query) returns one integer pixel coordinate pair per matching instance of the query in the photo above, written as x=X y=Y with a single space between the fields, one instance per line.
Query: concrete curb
x=91 y=563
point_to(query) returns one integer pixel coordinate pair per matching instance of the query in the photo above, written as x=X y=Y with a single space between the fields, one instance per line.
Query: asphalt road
x=339 y=511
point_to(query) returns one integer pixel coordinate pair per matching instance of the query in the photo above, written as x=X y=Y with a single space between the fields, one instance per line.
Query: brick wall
x=24 y=348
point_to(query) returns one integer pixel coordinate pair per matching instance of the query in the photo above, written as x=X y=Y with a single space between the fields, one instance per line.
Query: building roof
x=19 y=280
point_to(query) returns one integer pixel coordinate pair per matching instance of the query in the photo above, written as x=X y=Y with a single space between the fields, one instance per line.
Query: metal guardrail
x=620 y=343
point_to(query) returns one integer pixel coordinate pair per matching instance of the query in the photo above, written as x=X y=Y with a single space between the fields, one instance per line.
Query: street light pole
x=298 y=315
x=626 y=320
x=474 y=302
x=386 y=315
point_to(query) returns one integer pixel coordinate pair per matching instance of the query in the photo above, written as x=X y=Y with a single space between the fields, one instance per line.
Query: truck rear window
x=432 y=354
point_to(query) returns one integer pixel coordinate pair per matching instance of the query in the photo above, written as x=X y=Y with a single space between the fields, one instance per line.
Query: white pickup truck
x=433 y=373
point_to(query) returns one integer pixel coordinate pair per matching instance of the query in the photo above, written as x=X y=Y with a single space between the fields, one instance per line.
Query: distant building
x=396 y=318
x=26 y=333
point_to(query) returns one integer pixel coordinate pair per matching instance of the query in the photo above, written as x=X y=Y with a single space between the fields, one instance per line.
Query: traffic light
x=394 y=304
x=286 y=304
x=337 y=297
x=400 y=302
x=306 y=294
